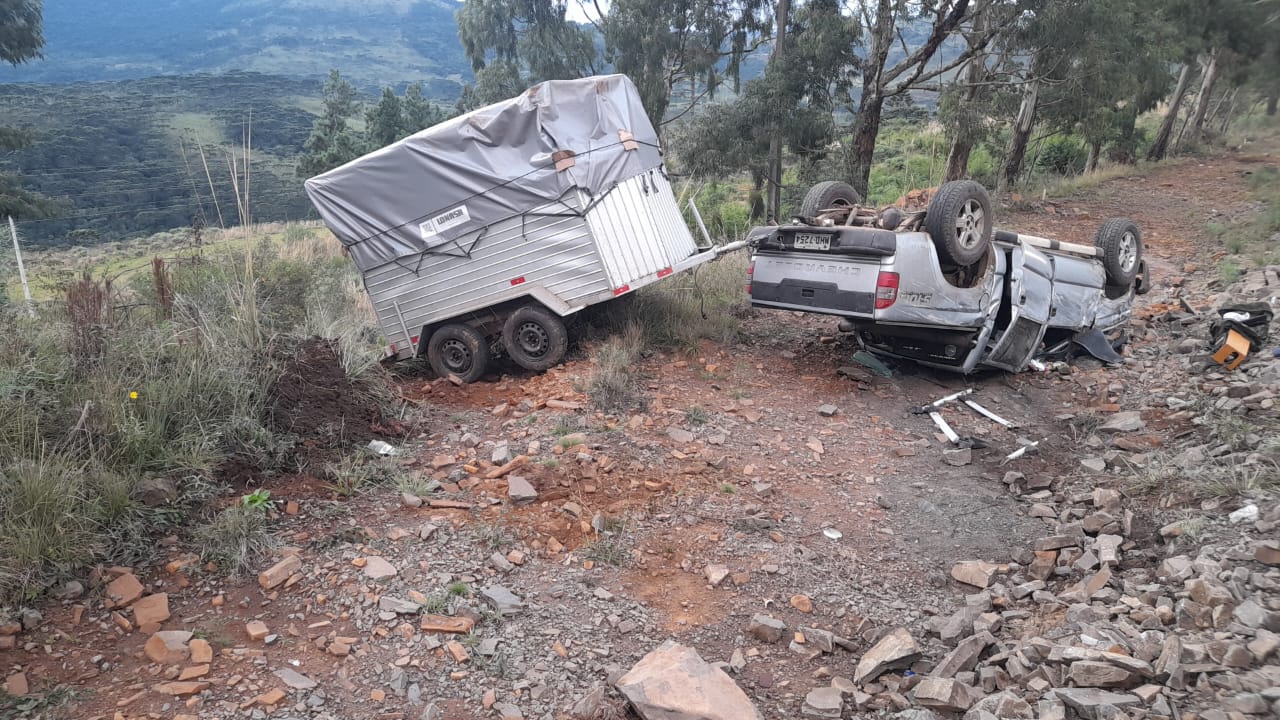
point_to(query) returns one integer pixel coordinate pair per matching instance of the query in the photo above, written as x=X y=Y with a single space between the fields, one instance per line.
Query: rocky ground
x=778 y=513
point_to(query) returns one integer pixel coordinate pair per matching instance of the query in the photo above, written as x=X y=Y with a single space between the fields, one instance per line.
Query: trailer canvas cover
x=423 y=193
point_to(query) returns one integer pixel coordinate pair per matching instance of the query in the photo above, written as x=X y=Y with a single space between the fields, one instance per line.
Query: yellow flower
x=133 y=395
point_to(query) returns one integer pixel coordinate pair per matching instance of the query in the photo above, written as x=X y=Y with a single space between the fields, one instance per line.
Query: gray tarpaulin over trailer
x=424 y=193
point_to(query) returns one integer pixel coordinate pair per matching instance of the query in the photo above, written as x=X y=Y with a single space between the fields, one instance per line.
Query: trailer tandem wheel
x=460 y=350
x=535 y=338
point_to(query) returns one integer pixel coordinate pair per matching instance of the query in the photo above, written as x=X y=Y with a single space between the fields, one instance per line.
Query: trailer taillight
x=751 y=270
x=886 y=290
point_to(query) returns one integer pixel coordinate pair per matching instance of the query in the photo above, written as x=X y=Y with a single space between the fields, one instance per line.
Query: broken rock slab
x=1093 y=704
x=502 y=600
x=1128 y=421
x=520 y=491
x=965 y=656
x=377 y=568
x=895 y=651
x=766 y=629
x=674 y=683
x=123 y=590
x=977 y=573
x=168 y=647
x=295 y=679
x=824 y=702
x=946 y=694
x=1002 y=705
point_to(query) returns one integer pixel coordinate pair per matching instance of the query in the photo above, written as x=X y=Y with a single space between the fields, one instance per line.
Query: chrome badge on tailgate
x=812 y=241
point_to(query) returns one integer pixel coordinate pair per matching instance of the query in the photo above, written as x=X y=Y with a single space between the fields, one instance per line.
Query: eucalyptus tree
x=21 y=38
x=513 y=44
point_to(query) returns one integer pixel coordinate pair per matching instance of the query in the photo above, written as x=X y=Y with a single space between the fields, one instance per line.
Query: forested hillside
x=124 y=158
x=373 y=41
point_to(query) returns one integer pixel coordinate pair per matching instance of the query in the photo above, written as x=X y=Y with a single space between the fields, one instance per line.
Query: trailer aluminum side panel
x=546 y=253
x=633 y=227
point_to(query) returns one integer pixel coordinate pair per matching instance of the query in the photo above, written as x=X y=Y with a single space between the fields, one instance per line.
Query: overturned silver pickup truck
x=942 y=287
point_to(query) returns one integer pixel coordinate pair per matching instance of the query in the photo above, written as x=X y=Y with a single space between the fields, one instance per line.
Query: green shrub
x=1064 y=155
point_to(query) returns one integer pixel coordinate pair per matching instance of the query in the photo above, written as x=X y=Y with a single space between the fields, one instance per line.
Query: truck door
x=1030 y=294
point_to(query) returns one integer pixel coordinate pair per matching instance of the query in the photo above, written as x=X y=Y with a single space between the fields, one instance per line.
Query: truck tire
x=459 y=350
x=827 y=195
x=959 y=221
x=1120 y=241
x=535 y=338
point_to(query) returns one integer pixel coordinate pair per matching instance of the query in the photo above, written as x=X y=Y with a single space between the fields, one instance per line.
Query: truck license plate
x=812 y=241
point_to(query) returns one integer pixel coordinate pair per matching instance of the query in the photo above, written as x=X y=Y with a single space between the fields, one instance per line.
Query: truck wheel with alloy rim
x=458 y=350
x=960 y=223
x=1120 y=242
x=535 y=338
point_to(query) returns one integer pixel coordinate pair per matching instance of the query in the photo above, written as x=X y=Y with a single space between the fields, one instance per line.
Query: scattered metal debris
x=989 y=415
x=872 y=363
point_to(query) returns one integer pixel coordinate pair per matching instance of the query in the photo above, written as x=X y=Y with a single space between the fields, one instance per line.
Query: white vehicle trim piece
x=944 y=427
x=988 y=414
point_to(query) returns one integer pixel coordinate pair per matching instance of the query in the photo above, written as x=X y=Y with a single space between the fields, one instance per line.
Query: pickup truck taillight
x=751 y=269
x=886 y=289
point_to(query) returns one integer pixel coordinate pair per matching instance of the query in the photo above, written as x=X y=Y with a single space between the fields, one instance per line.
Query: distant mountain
x=374 y=42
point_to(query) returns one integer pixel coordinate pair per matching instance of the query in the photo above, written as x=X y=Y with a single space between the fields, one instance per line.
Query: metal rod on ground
x=953 y=396
x=22 y=269
x=1020 y=452
x=945 y=428
x=988 y=414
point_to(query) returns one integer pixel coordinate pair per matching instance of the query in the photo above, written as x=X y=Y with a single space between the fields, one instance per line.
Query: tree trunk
x=975 y=72
x=1124 y=150
x=1091 y=163
x=1020 y=137
x=866 y=126
x=1206 y=92
x=958 y=159
x=1272 y=100
x=775 y=132
x=1161 y=145
x=865 y=131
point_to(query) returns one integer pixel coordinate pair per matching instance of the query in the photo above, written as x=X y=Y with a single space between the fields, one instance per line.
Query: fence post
x=22 y=270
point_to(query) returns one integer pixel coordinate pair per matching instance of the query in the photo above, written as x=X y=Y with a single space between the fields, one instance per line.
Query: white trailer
x=487 y=230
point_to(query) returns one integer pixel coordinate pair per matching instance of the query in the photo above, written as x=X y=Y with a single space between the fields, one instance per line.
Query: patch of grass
x=739 y=394
x=439 y=603
x=236 y=539
x=459 y=589
x=492 y=537
x=613 y=549
x=163 y=374
x=696 y=415
x=361 y=472
x=49 y=706
x=614 y=386
x=416 y=484
x=49 y=514
x=728 y=488
x=561 y=430
x=550 y=463
x=1229 y=271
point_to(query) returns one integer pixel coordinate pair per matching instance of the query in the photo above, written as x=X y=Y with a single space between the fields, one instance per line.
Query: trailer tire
x=459 y=350
x=827 y=195
x=1120 y=241
x=959 y=222
x=535 y=338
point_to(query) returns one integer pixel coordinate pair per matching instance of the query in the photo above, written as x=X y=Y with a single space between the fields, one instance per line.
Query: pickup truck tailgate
x=833 y=284
x=831 y=270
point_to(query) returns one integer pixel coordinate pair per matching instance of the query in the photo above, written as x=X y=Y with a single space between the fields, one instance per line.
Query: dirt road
x=716 y=504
